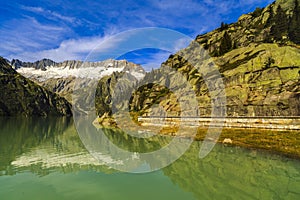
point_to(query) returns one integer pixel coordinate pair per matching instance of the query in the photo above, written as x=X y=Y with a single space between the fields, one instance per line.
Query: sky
x=73 y=29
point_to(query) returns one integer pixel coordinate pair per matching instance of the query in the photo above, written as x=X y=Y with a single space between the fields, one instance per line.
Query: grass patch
x=282 y=142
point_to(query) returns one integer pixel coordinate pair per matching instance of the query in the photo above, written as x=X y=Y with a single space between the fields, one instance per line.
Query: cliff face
x=21 y=96
x=106 y=86
x=259 y=80
x=258 y=59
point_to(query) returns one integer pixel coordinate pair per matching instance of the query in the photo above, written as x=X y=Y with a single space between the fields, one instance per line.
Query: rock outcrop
x=104 y=101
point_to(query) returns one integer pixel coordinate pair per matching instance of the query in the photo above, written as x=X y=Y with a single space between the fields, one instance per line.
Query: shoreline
x=282 y=140
x=274 y=123
x=278 y=142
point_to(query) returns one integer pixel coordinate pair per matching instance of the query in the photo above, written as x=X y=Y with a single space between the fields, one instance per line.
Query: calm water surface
x=45 y=159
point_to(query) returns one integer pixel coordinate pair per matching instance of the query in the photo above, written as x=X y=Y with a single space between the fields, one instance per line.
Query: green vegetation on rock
x=258 y=60
x=260 y=69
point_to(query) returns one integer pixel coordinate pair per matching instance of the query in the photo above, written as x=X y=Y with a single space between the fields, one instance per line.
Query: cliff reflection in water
x=236 y=173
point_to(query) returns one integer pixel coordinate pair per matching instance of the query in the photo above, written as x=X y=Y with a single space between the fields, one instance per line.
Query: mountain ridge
x=71 y=64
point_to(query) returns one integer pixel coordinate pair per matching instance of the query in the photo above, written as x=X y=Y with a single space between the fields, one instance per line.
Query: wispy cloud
x=49 y=14
x=27 y=34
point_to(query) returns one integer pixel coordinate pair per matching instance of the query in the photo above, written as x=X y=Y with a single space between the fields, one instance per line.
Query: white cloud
x=74 y=49
x=33 y=9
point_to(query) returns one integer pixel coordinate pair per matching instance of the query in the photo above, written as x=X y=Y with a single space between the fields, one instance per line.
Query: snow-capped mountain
x=62 y=77
x=47 y=69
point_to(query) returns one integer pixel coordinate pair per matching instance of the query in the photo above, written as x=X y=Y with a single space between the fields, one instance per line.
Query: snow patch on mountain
x=64 y=72
x=46 y=69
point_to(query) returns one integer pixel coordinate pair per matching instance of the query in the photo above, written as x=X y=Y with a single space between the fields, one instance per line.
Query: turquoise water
x=45 y=159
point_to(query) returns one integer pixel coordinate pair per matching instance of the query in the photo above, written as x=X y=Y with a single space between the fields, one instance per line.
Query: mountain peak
x=40 y=64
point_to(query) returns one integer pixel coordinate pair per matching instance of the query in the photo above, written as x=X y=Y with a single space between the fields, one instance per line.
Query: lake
x=47 y=159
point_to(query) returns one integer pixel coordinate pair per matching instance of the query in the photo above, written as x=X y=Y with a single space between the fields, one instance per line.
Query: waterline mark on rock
x=98 y=141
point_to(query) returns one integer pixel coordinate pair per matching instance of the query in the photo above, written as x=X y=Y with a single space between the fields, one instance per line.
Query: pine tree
x=225 y=44
x=294 y=27
x=281 y=24
x=223 y=26
x=257 y=12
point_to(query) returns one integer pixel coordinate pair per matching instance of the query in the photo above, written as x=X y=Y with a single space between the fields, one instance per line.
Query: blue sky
x=70 y=29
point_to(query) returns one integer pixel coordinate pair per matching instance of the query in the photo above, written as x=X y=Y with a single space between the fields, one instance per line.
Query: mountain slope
x=258 y=59
x=21 y=96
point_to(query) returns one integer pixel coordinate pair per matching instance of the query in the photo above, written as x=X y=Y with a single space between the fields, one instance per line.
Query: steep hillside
x=258 y=59
x=21 y=96
x=260 y=80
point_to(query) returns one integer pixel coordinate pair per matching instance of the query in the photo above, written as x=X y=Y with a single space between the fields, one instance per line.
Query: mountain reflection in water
x=51 y=148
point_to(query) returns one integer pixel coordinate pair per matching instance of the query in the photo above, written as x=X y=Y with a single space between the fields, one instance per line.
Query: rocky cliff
x=258 y=58
x=21 y=96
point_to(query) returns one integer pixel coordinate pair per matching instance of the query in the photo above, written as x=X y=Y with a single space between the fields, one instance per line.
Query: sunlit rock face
x=258 y=60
